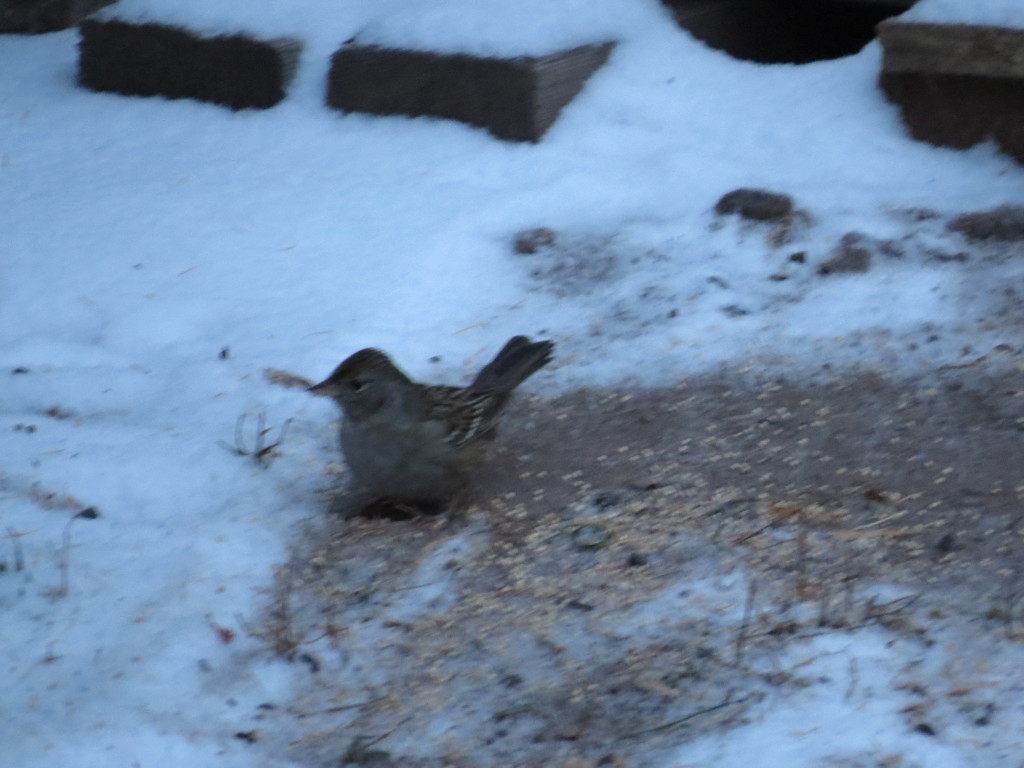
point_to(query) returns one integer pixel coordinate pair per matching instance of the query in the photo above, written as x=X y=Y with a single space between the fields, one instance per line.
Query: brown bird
x=419 y=444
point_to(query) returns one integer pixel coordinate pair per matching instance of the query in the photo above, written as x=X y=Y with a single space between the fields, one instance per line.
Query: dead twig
x=340 y=708
x=19 y=557
x=262 y=454
x=360 y=751
x=803 y=554
x=673 y=723
x=64 y=554
x=957 y=366
x=748 y=609
x=786 y=514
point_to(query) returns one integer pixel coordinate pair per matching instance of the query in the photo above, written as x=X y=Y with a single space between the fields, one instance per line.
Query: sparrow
x=419 y=444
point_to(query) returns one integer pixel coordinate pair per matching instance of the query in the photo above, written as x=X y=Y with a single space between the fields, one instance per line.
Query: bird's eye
x=356 y=385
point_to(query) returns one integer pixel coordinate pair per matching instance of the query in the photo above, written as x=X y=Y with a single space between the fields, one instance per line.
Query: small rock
x=591 y=536
x=512 y=680
x=735 y=310
x=917 y=214
x=1005 y=224
x=985 y=716
x=849 y=256
x=756 y=204
x=892 y=249
x=946 y=544
x=606 y=499
x=532 y=240
x=579 y=605
x=945 y=258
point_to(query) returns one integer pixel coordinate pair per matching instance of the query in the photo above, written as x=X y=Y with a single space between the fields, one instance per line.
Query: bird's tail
x=519 y=359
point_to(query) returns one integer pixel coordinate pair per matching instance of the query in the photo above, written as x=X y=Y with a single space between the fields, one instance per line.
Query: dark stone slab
x=514 y=98
x=956 y=84
x=36 y=16
x=235 y=71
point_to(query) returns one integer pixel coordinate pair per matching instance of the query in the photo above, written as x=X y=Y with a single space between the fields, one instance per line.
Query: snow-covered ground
x=157 y=257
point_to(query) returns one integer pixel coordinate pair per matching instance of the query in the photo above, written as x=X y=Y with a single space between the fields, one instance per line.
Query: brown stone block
x=956 y=85
x=514 y=98
x=952 y=49
x=959 y=111
x=36 y=16
x=234 y=71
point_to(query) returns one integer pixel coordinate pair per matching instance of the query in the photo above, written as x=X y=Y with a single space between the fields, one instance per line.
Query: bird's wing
x=466 y=415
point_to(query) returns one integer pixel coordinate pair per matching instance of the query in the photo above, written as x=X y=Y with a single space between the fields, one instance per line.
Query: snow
x=158 y=255
x=497 y=29
x=856 y=675
x=998 y=12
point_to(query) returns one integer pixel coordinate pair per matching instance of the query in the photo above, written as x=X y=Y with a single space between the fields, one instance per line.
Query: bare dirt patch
x=631 y=557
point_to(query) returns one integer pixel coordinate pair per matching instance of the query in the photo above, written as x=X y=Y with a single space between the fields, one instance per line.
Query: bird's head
x=363 y=383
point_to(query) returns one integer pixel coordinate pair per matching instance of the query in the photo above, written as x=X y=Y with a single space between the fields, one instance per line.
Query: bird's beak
x=317 y=389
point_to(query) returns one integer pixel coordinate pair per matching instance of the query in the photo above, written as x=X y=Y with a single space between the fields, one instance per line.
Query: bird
x=419 y=444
